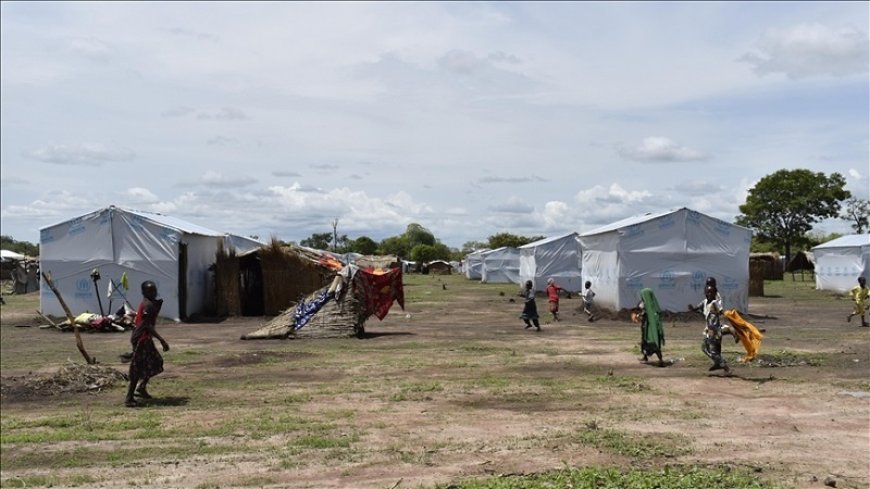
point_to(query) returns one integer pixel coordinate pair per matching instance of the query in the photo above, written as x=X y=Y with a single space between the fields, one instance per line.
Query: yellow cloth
x=748 y=334
x=124 y=282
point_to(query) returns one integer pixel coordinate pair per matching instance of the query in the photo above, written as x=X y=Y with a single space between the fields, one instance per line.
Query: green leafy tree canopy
x=857 y=212
x=319 y=241
x=783 y=206
x=512 y=240
x=23 y=247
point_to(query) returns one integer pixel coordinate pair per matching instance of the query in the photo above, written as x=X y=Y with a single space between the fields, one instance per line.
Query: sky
x=471 y=119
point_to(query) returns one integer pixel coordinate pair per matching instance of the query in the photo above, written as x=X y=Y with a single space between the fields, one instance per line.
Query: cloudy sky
x=468 y=118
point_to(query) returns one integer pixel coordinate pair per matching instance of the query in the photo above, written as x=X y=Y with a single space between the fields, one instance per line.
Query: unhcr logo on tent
x=137 y=222
x=666 y=280
x=83 y=289
x=169 y=235
x=728 y=283
x=723 y=228
x=667 y=222
x=45 y=236
x=697 y=280
x=634 y=231
x=633 y=283
x=694 y=217
x=76 y=226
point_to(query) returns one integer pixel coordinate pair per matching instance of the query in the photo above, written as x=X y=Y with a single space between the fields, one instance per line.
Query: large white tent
x=557 y=257
x=670 y=252
x=175 y=254
x=472 y=265
x=501 y=266
x=840 y=262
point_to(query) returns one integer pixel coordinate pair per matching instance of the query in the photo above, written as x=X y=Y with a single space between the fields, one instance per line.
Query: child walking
x=860 y=294
x=553 y=290
x=588 y=301
x=146 y=361
x=713 y=330
x=530 y=308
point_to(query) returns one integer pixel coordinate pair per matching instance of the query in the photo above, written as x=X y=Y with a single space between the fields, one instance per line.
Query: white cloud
x=88 y=154
x=216 y=179
x=60 y=204
x=660 y=149
x=224 y=114
x=182 y=32
x=89 y=47
x=558 y=215
x=855 y=174
x=514 y=205
x=285 y=173
x=491 y=180
x=807 y=50
x=139 y=195
x=177 y=112
x=220 y=141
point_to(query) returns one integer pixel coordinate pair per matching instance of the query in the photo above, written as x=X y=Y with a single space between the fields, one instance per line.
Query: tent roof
x=848 y=241
x=544 y=241
x=641 y=218
x=166 y=221
x=9 y=255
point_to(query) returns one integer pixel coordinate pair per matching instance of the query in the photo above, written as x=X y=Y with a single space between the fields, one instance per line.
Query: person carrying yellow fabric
x=860 y=294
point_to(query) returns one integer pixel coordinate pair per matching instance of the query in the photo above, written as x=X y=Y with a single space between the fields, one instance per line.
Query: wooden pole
x=72 y=320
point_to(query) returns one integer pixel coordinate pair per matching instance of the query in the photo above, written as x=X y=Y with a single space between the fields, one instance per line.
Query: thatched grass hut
x=263 y=282
x=339 y=310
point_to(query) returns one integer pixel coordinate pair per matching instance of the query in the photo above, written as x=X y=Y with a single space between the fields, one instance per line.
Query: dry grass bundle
x=72 y=377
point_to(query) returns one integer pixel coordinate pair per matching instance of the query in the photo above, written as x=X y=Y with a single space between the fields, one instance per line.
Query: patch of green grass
x=416 y=391
x=679 y=477
x=324 y=442
x=65 y=427
x=632 y=445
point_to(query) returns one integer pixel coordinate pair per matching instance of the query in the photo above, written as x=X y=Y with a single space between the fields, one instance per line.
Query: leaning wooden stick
x=43 y=316
x=72 y=320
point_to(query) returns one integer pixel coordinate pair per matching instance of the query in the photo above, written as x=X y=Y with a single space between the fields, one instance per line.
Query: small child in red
x=553 y=290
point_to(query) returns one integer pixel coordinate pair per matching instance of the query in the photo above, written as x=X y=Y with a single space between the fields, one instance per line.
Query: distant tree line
x=23 y=247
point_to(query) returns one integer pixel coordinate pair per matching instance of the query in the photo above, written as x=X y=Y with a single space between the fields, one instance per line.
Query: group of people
x=648 y=314
x=146 y=361
x=530 y=307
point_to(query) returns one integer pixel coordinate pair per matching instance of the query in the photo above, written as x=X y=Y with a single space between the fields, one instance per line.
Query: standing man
x=859 y=293
x=553 y=290
x=146 y=361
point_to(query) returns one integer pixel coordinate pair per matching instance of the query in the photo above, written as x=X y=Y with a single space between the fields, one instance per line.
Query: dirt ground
x=453 y=387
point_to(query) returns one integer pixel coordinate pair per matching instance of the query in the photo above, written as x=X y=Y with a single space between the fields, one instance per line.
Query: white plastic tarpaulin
x=9 y=255
x=473 y=265
x=840 y=262
x=558 y=257
x=501 y=266
x=175 y=254
x=672 y=253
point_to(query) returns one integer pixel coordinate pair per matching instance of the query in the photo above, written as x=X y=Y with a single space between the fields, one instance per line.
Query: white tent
x=9 y=255
x=501 y=266
x=558 y=257
x=672 y=253
x=840 y=262
x=473 y=265
x=175 y=254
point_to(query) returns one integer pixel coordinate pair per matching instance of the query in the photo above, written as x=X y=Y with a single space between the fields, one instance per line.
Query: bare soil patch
x=452 y=388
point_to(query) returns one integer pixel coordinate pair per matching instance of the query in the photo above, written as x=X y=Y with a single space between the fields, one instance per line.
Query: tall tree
x=857 y=213
x=783 y=206
x=23 y=247
x=508 y=239
x=319 y=241
x=416 y=234
x=364 y=245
